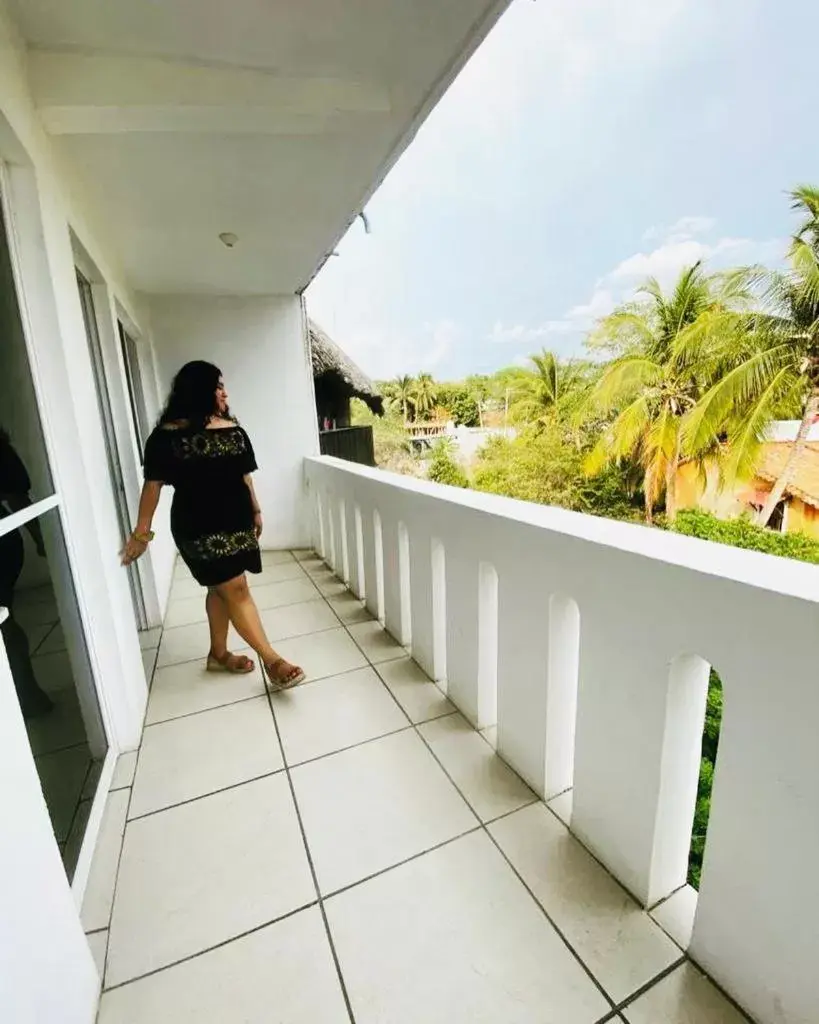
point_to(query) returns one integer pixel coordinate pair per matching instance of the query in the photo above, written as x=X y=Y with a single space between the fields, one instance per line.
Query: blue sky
x=587 y=144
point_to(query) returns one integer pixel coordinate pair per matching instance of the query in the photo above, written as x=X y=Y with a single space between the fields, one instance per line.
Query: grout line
x=311 y=865
x=401 y=863
x=641 y=991
x=242 y=650
x=203 y=952
x=204 y=796
x=349 y=747
x=484 y=827
x=204 y=711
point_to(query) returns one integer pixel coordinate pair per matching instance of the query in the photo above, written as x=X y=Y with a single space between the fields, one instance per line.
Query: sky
x=587 y=145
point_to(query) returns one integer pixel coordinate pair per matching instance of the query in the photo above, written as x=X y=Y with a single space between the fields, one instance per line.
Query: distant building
x=798 y=512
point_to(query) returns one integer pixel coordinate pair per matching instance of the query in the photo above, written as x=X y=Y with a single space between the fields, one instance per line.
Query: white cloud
x=577 y=320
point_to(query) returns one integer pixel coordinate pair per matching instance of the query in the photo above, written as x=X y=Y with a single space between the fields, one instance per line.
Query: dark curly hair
x=192 y=395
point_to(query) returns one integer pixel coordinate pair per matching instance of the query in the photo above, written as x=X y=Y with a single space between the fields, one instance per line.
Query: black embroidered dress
x=212 y=511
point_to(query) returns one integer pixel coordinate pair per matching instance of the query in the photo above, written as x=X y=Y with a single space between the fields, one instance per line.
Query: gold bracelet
x=144 y=538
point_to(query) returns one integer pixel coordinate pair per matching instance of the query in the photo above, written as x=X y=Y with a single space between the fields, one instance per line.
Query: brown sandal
x=278 y=680
x=236 y=664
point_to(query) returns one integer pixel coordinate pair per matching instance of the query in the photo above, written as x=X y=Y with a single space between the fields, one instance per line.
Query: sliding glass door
x=42 y=634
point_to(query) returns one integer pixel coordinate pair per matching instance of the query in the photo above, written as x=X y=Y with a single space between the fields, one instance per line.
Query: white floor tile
x=279 y=595
x=371 y=807
x=183 y=611
x=335 y=713
x=376 y=642
x=298 y=620
x=684 y=997
x=282 y=974
x=420 y=698
x=276 y=574
x=488 y=785
x=676 y=915
x=190 y=643
x=277 y=557
x=617 y=941
x=349 y=609
x=189 y=687
x=562 y=806
x=187 y=587
x=328 y=583
x=330 y=653
x=314 y=565
x=62 y=777
x=124 y=771
x=98 y=944
x=304 y=554
x=99 y=892
x=454 y=938
x=199 y=754
x=202 y=873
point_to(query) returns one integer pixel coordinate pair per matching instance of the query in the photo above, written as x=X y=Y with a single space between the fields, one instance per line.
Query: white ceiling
x=271 y=119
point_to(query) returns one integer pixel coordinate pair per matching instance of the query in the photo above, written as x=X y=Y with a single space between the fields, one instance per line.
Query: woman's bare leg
x=218 y=623
x=243 y=613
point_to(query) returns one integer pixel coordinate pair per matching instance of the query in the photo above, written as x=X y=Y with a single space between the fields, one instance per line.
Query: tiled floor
x=351 y=851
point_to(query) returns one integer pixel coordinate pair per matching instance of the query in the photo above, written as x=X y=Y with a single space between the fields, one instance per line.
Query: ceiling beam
x=104 y=94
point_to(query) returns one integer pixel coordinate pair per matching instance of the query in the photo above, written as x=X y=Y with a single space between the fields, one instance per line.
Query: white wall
x=260 y=346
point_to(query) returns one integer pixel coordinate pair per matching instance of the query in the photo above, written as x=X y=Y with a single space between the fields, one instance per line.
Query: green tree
x=424 y=395
x=776 y=357
x=443 y=469
x=403 y=388
x=660 y=371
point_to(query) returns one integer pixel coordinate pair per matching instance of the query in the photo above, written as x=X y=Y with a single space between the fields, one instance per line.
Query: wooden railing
x=353 y=444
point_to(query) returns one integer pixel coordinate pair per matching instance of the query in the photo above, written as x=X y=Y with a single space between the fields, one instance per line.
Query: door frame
x=78 y=629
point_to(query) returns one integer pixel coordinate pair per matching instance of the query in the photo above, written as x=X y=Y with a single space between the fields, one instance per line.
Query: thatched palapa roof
x=329 y=361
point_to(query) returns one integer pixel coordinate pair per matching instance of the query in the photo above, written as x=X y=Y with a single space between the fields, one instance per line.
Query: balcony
x=357 y=849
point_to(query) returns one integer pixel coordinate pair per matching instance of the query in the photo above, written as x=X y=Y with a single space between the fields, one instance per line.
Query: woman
x=15 y=486
x=199 y=450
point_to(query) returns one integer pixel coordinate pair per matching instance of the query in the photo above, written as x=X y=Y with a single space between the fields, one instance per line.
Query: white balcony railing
x=589 y=642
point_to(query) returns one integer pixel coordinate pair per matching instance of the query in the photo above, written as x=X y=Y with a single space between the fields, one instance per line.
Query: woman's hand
x=258 y=524
x=133 y=550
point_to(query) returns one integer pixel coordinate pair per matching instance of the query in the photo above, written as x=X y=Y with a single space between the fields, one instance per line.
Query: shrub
x=742 y=533
x=443 y=469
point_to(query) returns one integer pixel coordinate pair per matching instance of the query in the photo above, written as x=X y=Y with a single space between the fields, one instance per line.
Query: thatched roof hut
x=338 y=379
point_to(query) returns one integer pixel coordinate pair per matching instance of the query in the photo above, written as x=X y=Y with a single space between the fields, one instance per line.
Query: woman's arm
x=137 y=543
x=257 y=510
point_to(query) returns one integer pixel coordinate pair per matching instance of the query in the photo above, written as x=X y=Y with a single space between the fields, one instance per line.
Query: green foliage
x=544 y=465
x=443 y=469
x=742 y=533
x=460 y=403
x=702 y=811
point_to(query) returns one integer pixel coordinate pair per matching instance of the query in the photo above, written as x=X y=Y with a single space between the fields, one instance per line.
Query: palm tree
x=777 y=372
x=662 y=370
x=402 y=391
x=543 y=392
x=424 y=394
